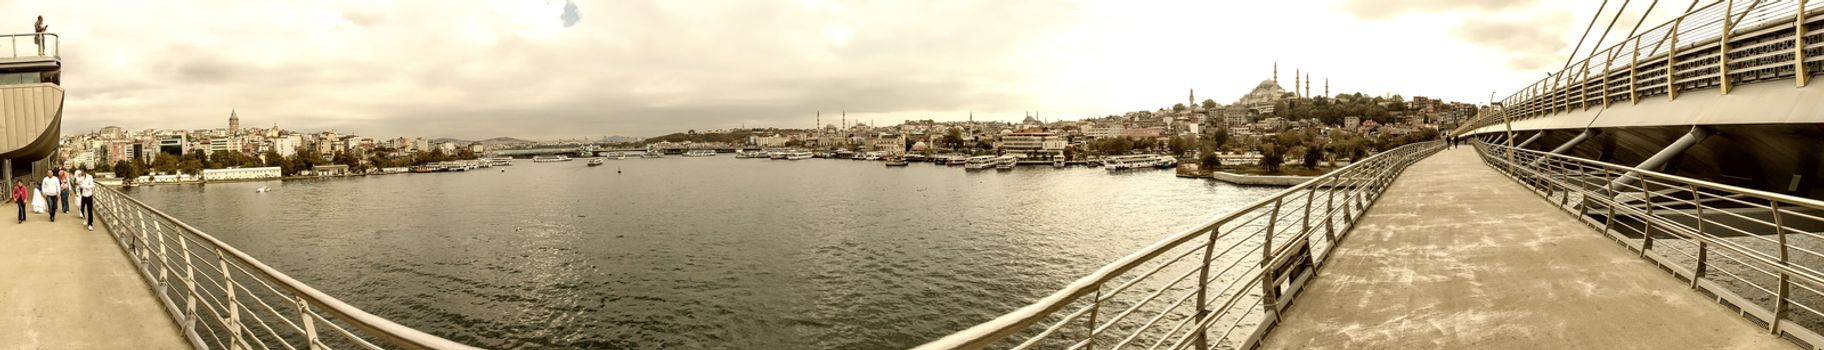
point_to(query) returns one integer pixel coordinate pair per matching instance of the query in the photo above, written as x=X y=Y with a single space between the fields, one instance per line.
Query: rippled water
x=699 y=252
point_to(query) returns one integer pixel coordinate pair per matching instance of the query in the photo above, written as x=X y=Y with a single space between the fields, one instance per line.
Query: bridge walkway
x=1457 y=256
x=64 y=287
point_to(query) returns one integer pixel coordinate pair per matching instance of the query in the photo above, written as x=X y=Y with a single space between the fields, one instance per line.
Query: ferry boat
x=1005 y=163
x=596 y=162
x=700 y=153
x=1165 y=163
x=502 y=161
x=652 y=154
x=1140 y=161
x=981 y=162
x=956 y=161
x=797 y=154
x=550 y=159
x=614 y=155
x=897 y=162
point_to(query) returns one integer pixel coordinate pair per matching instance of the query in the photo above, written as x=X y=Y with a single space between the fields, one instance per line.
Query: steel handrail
x=1365 y=179
x=1654 y=210
x=373 y=325
x=51 y=42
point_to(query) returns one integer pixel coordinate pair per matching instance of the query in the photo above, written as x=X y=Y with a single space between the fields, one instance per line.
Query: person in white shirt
x=85 y=188
x=49 y=187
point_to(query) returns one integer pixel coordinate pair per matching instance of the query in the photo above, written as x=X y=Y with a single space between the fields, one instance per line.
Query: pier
x=70 y=288
x=1456 y=256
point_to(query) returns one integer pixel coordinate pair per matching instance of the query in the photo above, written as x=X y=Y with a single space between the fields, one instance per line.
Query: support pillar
x=1697 y=134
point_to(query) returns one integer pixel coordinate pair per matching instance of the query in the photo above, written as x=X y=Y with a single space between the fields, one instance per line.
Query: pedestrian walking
x=48 y=188
x=85 y=187
x=21 y=194
x=63 y=181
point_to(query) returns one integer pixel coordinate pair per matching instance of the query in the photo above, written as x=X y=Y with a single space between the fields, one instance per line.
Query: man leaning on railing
x=38 y=34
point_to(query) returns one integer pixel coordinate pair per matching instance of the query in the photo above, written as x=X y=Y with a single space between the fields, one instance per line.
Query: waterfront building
x=330 y=170
x=241 y=173
x=1033 y=144
x=1104 y=131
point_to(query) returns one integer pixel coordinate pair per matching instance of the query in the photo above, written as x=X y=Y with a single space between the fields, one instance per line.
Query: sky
x=540 y=69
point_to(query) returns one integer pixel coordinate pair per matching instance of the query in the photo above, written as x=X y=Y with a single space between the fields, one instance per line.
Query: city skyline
x=566 y=70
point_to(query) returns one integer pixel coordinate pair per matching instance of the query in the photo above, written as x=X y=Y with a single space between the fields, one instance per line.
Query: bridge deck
x=1457 y=256
x=64 y=287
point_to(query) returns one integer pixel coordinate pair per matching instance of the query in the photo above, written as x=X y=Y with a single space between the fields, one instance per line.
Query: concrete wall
x=1260 y=180
x=30 y=116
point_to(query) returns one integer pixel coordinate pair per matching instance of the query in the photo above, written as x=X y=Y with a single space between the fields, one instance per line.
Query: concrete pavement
x=1457 y=256
x=63 y=287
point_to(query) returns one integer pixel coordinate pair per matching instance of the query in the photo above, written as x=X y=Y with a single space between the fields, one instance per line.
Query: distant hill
x=490 y=142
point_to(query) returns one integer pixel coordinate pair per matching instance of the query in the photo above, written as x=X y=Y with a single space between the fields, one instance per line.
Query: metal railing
x=1758 y=252
x=1757 y=41
x=31 y=45
x=1248 y=264
x=224 y=299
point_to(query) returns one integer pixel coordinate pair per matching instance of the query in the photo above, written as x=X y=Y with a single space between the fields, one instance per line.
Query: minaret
x=819 y=126
x=1326 y=87
x=1295 y=74
x=1275 y=72
x=1307 y=84
x=234 y=123
x=1193 y=102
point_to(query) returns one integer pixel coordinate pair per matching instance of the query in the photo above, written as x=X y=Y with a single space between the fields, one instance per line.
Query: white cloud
x=516 y=68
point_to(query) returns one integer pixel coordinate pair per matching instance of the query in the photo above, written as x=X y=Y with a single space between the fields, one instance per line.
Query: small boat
x=550 y=159
x=615 y=155
x=503 y=161
x=427 y=168
x=1165 y=163
x=700 y=153
x=262 y=189
x=1060 y=164
x=897 y=162
x=596 y=162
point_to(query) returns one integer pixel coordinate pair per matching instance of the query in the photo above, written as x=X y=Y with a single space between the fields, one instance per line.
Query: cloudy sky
x=557 y=69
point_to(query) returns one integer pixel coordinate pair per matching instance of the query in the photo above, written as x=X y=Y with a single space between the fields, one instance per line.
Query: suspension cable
x=1586 y=34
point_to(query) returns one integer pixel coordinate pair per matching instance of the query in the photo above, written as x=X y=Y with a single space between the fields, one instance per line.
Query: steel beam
x=1530 y=140
x=1697 y=134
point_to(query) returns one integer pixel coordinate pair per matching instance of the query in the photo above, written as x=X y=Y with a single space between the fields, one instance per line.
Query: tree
x=1219 y=138
x=953 y=138
x=1313 y=154
x=1180 y=144
x=1209 y=161
x=1178 y=107
x=1209 y=104
x=126 y=170
x=1271 y=155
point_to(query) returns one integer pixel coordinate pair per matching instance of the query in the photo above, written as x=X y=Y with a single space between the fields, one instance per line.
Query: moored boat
x=898 y=162
x=700 y=153
x=596 y=162
x=550 y=159
x=797 y=154
x=981 y=162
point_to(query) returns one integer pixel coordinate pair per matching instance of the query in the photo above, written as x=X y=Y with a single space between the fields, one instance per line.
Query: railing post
x=1722 y=52
x=1697 y=273
x=1267 y=299
x=1305 y=221
x=164 y=259
x=1780 y=301
x=190 y=285
x=233 y=321
x=1608 y=222
x=1646 y=231
x=310 y=324
x=1095 y=307
x=1634 y=74
x=1329 y=211
x=1672 y=61
x=1203 y=286
x=1800 y=76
